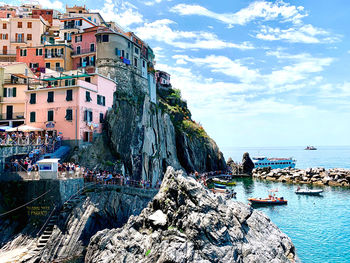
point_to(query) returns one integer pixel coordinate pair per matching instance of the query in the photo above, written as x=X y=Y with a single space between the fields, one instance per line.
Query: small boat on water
x=221 y=186
x=308 y=191
x=270 y=200
x=218 y=191
x=223 y=182
x=310 y=148
x=274 y=163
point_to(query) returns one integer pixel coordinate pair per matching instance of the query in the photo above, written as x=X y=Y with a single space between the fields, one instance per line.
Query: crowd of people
x=28 y=138
x=107 y=177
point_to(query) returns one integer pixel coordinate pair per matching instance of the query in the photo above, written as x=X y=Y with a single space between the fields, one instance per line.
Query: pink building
x=84 y=49
x=73 y=105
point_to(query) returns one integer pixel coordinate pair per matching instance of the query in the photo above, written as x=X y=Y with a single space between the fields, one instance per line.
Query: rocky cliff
x=144 y=138
x=186 y=223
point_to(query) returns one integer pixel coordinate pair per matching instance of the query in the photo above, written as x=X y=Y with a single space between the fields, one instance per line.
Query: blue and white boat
x=274 y=163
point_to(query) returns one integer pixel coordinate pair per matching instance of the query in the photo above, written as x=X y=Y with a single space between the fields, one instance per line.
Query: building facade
x=74 y=105
x=84 y=50
x=14 y=78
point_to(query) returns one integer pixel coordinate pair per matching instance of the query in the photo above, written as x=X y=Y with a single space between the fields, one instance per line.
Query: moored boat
x=270 y=200
x=310 y=148
x=308 y=191
x=274 y=163
x=223 y=182
x=221 y=186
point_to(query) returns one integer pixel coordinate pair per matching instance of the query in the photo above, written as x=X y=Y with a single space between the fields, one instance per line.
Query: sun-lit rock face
x=186 y=223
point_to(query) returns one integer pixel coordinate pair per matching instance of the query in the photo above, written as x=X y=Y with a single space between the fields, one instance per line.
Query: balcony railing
x=69 y=27
x=8 y=53
x=12 y=116
x=18 y=41
x=85 y=65
x=15 y=81
x=83 y=51
x=54 y=55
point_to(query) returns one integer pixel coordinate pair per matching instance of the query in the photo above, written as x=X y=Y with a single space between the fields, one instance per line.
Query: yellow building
x=58 y=57
x=13 y=84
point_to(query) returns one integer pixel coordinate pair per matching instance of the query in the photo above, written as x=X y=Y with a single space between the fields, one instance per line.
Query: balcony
x=12 y=116
x=8 y=53
x=18 y=41
x=84 y=52
x=54 y=55
x=63 y=27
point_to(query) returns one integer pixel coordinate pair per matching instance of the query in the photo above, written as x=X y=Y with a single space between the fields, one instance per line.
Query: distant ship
x=311 y=148
x=274 y=163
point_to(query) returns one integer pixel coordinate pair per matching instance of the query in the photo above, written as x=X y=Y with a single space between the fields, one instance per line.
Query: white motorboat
x=308 y=191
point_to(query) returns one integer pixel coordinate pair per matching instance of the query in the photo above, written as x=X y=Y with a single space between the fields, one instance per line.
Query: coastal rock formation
x=144 y=138
x=247 y=164
x=96 y=209
x=186 y=223
x=315 y=176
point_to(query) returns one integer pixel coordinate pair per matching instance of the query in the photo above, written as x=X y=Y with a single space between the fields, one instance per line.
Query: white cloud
x=298 y=34
x=125 y=14
x=160 y=30
x=260 y=9
x=51 y=4
x=222 y=64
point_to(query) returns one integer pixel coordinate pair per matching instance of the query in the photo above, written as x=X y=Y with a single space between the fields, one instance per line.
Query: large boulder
x=247 y=164
x=187 y=223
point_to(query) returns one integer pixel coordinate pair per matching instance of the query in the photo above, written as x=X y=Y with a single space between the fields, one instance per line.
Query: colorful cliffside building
x=74 y=104
x=84 y=49
x=14 y=78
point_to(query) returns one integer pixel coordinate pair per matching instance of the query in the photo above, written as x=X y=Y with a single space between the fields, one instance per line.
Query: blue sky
x=254 y=73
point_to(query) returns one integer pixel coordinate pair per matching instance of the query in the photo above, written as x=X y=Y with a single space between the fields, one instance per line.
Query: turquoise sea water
x=318 y=226
x=324 y=156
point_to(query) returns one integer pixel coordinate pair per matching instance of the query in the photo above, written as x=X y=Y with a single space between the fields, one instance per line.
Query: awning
x=24 y=128
x=66 y=77
x=5 y=128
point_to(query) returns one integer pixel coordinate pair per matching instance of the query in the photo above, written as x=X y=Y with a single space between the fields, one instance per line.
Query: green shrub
x=148 y=252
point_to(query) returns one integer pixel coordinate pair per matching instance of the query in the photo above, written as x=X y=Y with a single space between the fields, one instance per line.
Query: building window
x=105 y=38
x=32 y=98
x=79 y=38
x=135 y=62
x=69 y=82
x=129 y=44
x=88 y=97
x=29 y=24
x=88 y=116
x=69 y=95
x=78 y=50
x=4 y=26
x=32 y=116
x=19 y=24
x=143 y=64
x=50 y=96
x=136 y=50
x=39 y=52
x=69 y=114
x=58 y=65
x=117 y=52
x=29 y=36
x=50 y=115
x=101 y=117
x=10 y=92
x=92 y=47
x=47 y=65
x=23 y=52
x=88 y=79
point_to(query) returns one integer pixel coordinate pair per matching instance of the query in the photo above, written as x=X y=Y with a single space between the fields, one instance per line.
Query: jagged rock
x=247 y=164
x=199 y=227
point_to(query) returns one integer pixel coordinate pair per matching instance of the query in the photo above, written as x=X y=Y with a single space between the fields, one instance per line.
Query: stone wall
x=315 y=176
x=127 y=77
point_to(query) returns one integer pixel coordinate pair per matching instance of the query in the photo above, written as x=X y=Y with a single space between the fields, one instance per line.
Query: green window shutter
x=104 y=101
x=50 y=115
x=69 y=95
x=90 y=116
x=69 y=114
x=101 y=118
x=14 y=92
x=85 y=115
x=98 y=99
x=32 y=116
x=32 y=98
x=5 y=92
x=66 y=82
x=50 y=96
